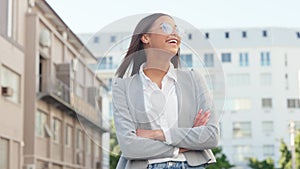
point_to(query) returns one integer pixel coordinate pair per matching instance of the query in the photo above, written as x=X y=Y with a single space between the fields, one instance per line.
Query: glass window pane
x=12 y=80
x=242 y=129
x=3 y=153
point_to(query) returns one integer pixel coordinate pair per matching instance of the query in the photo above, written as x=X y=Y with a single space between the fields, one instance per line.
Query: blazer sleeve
x=132 y=146
x=202 y=137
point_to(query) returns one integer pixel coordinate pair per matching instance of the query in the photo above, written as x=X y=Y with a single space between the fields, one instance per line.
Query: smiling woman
x=164 y=116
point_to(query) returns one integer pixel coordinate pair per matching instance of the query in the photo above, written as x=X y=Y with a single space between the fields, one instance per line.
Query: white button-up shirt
x=161 y=106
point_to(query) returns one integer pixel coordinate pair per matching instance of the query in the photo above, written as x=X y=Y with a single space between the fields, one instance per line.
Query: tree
x=265 y=164
x=115 y=151
x=222 y=161
x=285 y=161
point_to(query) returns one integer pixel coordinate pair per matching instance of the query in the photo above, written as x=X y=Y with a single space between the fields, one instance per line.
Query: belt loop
x=183 y=166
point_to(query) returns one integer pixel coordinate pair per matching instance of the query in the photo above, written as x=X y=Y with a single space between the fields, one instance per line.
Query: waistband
x=174 y=164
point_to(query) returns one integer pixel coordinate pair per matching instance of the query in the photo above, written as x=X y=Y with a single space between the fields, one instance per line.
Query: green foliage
x=115 y=151
x=113 y=160
x=285 y=161
x=222 y=161
x=297 y=149
x=265 y=164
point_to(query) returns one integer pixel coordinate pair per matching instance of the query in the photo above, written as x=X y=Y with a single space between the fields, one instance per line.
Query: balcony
x=60 y=95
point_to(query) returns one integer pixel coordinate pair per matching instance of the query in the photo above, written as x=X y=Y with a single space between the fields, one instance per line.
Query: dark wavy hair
x=135 y=51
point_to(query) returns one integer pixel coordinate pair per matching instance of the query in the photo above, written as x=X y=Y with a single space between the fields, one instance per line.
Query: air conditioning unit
x=7 y=91
x=31 y=3
x=74 y=63
x=45 y=38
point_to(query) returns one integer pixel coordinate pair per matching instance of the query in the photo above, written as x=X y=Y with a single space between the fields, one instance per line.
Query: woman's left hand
x=151 y=134
x=201 y=118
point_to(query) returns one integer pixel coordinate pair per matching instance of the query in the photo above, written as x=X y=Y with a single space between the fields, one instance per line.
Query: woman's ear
x=145 y=38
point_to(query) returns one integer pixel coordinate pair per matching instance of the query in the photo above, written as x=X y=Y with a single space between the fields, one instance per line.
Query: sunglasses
x=169 y=29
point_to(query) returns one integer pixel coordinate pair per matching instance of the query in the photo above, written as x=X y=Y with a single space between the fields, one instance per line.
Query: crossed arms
x=142 y=144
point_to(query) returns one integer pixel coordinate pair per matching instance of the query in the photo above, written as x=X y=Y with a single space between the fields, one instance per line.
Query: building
x=261 y=87
x=51 y=100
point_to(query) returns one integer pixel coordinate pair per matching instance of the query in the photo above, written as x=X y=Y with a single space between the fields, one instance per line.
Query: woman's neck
x=156 y=71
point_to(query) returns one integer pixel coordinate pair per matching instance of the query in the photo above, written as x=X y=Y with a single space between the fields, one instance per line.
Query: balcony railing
x=83 y=109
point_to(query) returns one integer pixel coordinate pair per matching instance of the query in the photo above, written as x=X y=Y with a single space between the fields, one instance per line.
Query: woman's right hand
x=201 y=118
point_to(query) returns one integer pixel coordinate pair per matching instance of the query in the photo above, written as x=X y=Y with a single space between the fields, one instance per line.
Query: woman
x=159 y=110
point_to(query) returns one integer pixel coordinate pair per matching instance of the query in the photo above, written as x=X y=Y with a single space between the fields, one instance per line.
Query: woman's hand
x=151 y=134
x=201 y=118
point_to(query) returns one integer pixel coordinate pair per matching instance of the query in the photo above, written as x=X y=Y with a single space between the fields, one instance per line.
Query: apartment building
x=51 y=102
x=12 y=73
x=258 y=95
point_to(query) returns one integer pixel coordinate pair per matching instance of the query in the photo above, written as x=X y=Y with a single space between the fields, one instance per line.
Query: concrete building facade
x=260 y=95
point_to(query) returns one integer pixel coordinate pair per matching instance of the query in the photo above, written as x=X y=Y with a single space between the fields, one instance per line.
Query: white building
x=261 y=68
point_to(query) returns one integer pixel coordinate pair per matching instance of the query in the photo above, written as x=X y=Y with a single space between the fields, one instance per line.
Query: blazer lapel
x=186 y=99
x=136 y=102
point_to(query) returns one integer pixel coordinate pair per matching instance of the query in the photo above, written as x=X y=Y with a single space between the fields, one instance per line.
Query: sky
x=89 y=16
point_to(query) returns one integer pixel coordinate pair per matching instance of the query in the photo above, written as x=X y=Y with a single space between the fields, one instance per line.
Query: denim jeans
x=174 y=165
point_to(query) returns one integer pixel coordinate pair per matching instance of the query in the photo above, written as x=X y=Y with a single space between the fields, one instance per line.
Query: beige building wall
x=12 y=58
x=50 y=102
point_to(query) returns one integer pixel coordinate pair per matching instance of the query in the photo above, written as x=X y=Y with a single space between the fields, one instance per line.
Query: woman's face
x=163 y=35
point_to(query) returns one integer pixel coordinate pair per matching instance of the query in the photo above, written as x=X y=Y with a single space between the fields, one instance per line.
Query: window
x=266 y=79
x=267 y=127
x=238 y=80
x=4 y=153
x=266 y=102
x=265 y=59
x=268 y=150
x=12 y=80
x=56 y=128
x=297 y=125
x=286 y=76
x=241 y=129
x=264 y=33
x=226 y=35
x=110 y=63
x=244 y=59
x=113 y=39
x=209 y=59
x=6 y=17
x=102 y=63
x=237 y=104
x=68 y=139
x=105 y=63
x=41 y=121
x=293 y=103
x=190 y=36
x=226 y=57
x=88 y=143
x=96 y=39
x=242 y=153
x=79 y=142
x=244 y=34
x=186 y=59
x=206 y=35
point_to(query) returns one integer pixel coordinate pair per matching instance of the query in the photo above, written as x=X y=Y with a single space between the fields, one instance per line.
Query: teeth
x=172 y=41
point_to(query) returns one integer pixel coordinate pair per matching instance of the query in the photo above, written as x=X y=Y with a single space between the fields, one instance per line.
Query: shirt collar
x=171 y=73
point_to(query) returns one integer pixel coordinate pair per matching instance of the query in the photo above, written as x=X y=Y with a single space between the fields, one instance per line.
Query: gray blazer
x=129 y=115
